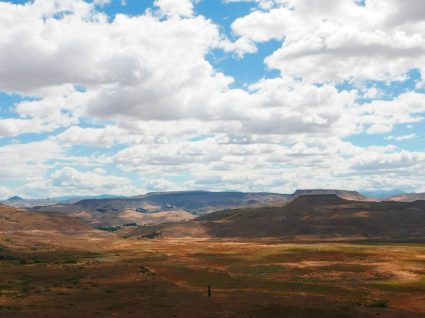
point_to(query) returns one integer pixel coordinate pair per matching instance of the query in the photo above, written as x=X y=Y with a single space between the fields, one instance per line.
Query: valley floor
x=107 y=276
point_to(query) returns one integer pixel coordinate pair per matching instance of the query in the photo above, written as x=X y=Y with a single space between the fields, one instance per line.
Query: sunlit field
x=115 y=277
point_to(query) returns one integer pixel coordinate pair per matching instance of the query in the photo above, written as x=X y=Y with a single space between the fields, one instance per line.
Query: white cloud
x=10 y=127
x=100 y=137
x=402 y=137
x=371 y=93
x=70 y=180
x=145 y=83
x=5 y=193
x=175 y=7
x=376 y=163
x=381 y=116
x=158 y=184
x=26 y=161
x=142 y=67
x=334 y=40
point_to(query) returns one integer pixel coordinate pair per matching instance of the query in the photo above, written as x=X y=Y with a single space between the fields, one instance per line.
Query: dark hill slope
x=317 y=200
x=344 y=194
x=310 y=217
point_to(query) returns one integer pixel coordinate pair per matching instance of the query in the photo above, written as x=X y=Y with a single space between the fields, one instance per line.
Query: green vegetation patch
x=151 y=235
x=378 y=304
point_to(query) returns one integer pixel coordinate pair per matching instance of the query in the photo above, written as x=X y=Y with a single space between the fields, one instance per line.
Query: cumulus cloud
x=73 y=181
x=381 y=116
x=140 y=67
x=173 y=7
x=145 y=83
x=99 y=137
x=339 y=40
x=28 y=161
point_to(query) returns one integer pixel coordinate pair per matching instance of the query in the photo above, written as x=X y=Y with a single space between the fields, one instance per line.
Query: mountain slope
x=192 y=201
x=74 y=199
x=110 y=217
x=309 y=217
x=408 y=197
x=22 y=221
x=155 y=208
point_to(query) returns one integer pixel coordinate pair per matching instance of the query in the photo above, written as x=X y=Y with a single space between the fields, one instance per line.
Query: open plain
x=105 y=275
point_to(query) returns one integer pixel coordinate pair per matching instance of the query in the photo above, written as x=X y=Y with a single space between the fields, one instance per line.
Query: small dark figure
x=209 y=291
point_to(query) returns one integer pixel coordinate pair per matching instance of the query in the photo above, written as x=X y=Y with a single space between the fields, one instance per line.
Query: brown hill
x=408 y=197
x=309 y=217
x=190 y=201
x=13 y=220
x=110 y=218
x=161 y=207
x=99 y=219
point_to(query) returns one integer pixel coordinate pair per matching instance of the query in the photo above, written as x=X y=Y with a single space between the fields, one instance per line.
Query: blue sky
x=126 y=97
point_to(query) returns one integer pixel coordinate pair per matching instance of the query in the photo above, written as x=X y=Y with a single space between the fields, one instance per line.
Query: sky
x=129 y=96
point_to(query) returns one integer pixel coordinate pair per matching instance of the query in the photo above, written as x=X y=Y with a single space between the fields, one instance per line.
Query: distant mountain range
x=202 y=200
x=160 y=207
x=19 y=202
x=171 y=206
x=307 y=217
x=74 y=199
x=305 y=214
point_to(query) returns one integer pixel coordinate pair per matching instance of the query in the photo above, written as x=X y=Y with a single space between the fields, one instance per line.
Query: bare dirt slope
x=13 y=220
x=98 y=219
x=408 y=197
x=119 y=217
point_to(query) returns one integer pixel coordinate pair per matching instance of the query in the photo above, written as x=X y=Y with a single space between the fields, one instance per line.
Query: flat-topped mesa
x=308 y=200
x=344 y=194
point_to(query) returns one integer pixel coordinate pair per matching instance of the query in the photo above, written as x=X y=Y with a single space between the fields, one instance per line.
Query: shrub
x=379 y=304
